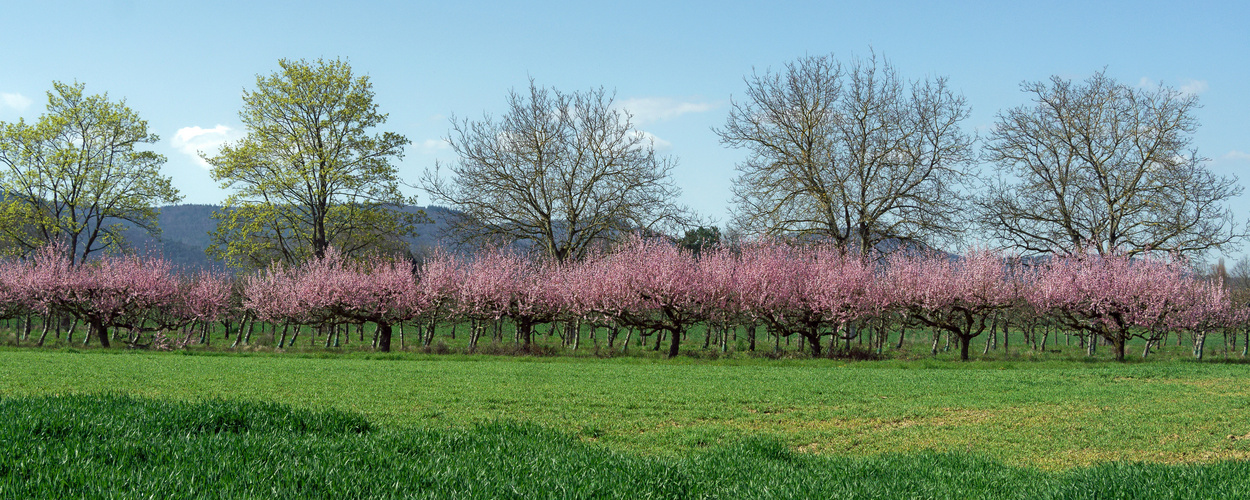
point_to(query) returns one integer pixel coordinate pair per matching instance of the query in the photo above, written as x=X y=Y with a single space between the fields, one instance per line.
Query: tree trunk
x=675 y=345
x=964 y=340
x=1200 y=340
x=813 y=338
x=526 y=330
x=1245 y=342
x=101 y=331
x=43 y=335
x=384 y=336
x=1120 y=345
x=242 y=326
x=475 y=331
x=429 y=331
x=1006 y=336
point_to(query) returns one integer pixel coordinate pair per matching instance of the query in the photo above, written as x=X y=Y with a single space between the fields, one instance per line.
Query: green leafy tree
x=75 y=177
x=703 y=237
x=310 y=174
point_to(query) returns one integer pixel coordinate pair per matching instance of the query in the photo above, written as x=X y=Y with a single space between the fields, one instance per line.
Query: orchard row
x=649 y=287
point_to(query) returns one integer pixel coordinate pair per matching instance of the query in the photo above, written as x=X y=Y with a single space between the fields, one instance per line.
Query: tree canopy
x=76 y=175
x=1106 y=165
x=851 y=154
x=563 y=170
x=310 y=174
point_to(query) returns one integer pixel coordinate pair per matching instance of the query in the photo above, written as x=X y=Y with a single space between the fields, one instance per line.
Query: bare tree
x=562 y=170
x=1239 y=275
x=1103 y=165
x=853 y=154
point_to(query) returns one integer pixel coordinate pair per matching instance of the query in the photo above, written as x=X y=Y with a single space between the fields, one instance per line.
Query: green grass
x=1059 y=346
x=1053 y=415
x=110 y=445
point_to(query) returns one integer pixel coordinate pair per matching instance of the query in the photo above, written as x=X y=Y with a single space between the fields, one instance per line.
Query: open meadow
x=982 y=428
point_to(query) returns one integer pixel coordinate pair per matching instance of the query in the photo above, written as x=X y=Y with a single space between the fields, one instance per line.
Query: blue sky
x=676 y=65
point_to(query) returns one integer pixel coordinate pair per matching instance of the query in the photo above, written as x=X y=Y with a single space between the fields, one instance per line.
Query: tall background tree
x=1105 y=165
x=562 y=170
x=699 y=239
x=310 y=174
x=853 y=154
x=76 y=176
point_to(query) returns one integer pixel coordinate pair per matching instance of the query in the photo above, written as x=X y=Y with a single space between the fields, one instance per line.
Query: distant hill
x=185 y=234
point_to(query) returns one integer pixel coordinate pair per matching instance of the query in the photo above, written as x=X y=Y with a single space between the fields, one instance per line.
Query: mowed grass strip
x=110 y=445
x=1049 y=415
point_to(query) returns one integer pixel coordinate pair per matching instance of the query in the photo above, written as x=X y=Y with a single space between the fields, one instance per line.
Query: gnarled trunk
x=384 y=336
x=675 y=345
x=1120 y=346
x=100 y=332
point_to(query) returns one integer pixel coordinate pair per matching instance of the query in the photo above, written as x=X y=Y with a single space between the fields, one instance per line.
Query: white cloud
x=656 y=142
x=432 y=146
x=192 y=140
x=1188 y=86
x=1194 y=86
x=1236 y=155
x=16 y=102
x=654 y=109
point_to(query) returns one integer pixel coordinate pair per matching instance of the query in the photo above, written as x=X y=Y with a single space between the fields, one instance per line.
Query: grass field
x=1051 y=415
x=1006 y=346
x=118 y=446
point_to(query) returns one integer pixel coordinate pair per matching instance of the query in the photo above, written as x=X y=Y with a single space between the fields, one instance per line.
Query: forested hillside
x=186 y=229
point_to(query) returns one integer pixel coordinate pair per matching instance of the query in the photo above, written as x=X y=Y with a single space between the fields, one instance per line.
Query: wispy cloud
x=1236 y=155
x=15 y=102
x=433 y=146
x=1194 y=86
x=1188 y=85
x=656 y=109
x=192 y=140
x=656 y=142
